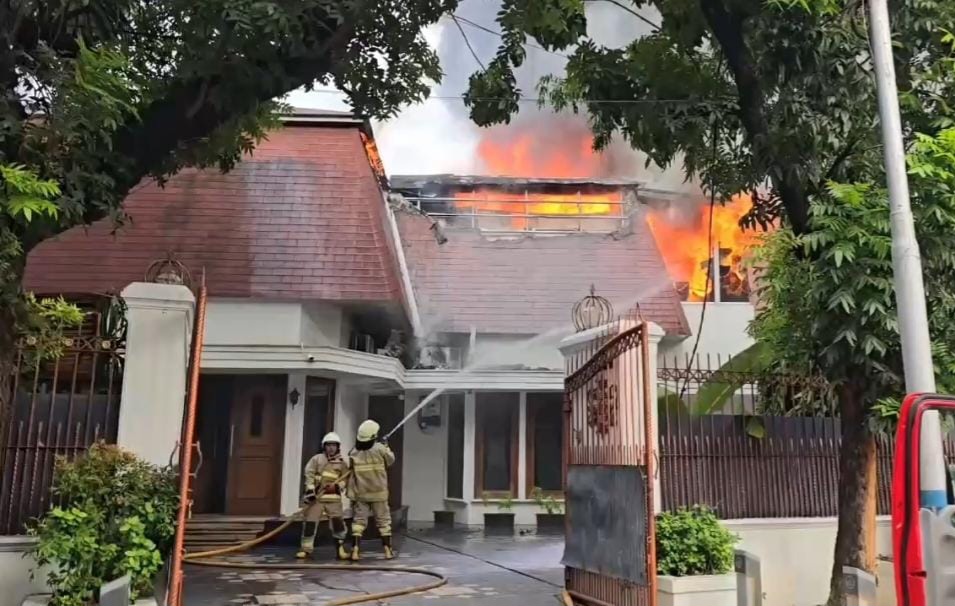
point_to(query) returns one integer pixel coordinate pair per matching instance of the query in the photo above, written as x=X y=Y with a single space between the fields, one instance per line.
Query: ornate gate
x=609 y=436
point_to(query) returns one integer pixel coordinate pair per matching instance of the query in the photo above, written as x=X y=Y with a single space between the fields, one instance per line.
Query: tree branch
x=727 y=28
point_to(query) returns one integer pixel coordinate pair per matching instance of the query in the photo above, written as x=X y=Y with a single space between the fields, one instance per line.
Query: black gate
x=59 y=407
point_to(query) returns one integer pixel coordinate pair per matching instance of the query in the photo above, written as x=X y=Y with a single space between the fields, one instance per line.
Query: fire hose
x=201 y=559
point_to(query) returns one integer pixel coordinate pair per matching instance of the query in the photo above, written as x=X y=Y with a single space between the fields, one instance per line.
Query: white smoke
x=437 y=136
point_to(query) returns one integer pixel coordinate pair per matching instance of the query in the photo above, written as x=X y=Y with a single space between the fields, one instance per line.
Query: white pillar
x=522 y=448
x=159 y=318
x=469 y=446
x=655 y=336
x=292 y=449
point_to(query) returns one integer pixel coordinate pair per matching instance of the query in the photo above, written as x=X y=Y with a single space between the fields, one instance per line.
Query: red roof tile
x=302 y=218
x=529 y=284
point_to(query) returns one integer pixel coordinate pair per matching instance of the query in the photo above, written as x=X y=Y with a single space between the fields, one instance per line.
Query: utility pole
x=907 y=261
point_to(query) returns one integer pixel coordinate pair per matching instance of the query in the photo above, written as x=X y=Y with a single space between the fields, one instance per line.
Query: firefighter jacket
x=369 y=479
x=324 y=476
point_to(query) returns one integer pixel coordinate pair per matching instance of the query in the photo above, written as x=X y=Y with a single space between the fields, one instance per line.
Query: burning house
x=336 y=294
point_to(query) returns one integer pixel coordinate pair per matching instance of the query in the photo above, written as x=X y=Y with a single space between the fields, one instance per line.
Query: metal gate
x=59 y=405
x=609 y=551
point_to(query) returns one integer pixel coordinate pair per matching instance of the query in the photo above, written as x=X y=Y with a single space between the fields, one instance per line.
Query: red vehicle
x=917 y=539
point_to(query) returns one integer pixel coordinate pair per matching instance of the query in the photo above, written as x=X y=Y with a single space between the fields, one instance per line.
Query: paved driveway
x=481 y=571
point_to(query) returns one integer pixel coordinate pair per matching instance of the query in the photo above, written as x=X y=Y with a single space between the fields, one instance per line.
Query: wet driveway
x=481 y=570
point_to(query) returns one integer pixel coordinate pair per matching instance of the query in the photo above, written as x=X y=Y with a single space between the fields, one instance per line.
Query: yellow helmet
x=331 y=437
x=368 y=431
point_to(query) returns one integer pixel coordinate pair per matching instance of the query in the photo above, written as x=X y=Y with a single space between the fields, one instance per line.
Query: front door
x=388 y=412
x=255 y=445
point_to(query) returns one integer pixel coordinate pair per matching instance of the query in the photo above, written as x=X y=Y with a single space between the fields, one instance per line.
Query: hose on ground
x=202 y=559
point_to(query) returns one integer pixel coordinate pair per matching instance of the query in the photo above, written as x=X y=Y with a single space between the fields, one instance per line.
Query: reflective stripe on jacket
x=369 y=479
x=324 y=476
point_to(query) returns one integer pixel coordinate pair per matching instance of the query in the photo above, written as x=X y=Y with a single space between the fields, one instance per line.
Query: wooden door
x=255 y=455
x=388 y=412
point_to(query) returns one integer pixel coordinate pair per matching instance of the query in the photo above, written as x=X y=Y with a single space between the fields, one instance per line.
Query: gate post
x=159 y=319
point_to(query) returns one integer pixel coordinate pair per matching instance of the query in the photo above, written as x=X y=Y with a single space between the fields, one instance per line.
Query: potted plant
x=553 y=517
x=116 y=516
x=694 y=559
x=503 y=520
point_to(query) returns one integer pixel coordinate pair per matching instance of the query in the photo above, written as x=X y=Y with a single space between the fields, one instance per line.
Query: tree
x=98 y=95
x=773 y=97
x=829 y=306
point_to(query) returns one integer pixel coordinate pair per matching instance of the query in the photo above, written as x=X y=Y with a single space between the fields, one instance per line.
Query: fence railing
x=59 y=407
x=718 y=448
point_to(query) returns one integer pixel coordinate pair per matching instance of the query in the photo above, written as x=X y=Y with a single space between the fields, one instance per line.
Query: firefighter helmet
x=368 y=431
x=331 y=437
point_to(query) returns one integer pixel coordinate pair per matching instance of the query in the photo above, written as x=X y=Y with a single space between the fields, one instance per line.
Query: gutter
x=403 y=268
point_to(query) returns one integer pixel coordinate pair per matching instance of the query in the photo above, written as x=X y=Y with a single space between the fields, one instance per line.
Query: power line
x=484 y=28
x=468 y=42
x=629 y=10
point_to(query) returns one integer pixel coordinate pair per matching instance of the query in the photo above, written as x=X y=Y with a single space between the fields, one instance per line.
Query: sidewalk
x=481 y=571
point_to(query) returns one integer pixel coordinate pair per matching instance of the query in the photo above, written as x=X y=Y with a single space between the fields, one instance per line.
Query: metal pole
x=906 y=260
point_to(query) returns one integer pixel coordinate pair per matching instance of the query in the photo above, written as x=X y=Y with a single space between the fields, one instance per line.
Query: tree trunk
x=856 y=483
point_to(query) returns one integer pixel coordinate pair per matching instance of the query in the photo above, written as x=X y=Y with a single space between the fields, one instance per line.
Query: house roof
x=529 y=284
x=301 y=218
x=422 y=181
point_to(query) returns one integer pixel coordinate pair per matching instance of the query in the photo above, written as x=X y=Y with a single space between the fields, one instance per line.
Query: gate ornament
x=592 y=311
x=602 y=406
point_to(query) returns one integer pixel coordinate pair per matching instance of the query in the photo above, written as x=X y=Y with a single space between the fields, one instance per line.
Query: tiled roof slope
x=529 y=284
x=302 y=218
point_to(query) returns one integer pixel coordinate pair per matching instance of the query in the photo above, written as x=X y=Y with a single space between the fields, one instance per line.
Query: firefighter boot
x=389 y=551
x=342 y=552
x=309 y=530
x=356 y=549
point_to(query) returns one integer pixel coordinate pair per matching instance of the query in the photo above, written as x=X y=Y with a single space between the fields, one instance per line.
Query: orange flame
x=567 y=154
x=685 y=246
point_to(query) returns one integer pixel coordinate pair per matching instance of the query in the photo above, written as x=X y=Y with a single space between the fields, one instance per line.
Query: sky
x=436 y=136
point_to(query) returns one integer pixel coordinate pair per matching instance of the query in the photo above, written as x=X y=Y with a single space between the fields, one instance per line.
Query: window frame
x=531 y=412
x=479 y=427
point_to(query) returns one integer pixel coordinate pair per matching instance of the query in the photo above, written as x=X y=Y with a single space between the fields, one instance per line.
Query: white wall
x=425 y=463
x=724 y=330
x=796 y=558
x=533 y=352
x=160 y=320
x=15 y=583
x=351 y=408
x=324 y=324
x=255 y=322
x=292 y=447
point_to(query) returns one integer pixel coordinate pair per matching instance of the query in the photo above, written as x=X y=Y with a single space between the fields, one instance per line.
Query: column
x=522 y=449
x=292 y=449
x=469 y=446
x=158 y=337
x=656 y=334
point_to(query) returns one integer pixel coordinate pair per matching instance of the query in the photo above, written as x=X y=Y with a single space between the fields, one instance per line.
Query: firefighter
x=368 y=487
x=324 y=484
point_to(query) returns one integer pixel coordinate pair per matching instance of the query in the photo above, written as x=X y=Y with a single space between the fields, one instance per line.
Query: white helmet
x=331 y=437
x=368 y=431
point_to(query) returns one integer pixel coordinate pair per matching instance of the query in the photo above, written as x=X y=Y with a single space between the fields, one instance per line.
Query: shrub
x=116 y=516
x=693 y=542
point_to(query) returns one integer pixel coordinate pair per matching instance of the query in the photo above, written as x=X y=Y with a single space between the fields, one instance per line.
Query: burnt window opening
x=455 y=471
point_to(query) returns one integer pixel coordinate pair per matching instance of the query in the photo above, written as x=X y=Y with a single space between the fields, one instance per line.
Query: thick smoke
x=438 y=136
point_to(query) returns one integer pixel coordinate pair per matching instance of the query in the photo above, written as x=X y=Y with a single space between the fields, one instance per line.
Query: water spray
x=483 y=362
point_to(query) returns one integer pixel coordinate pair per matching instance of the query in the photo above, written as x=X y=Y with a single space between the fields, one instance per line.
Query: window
x=545 y=442
x=255 y=419
x=455 y=479
x=496 y=440
x=319 y=416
